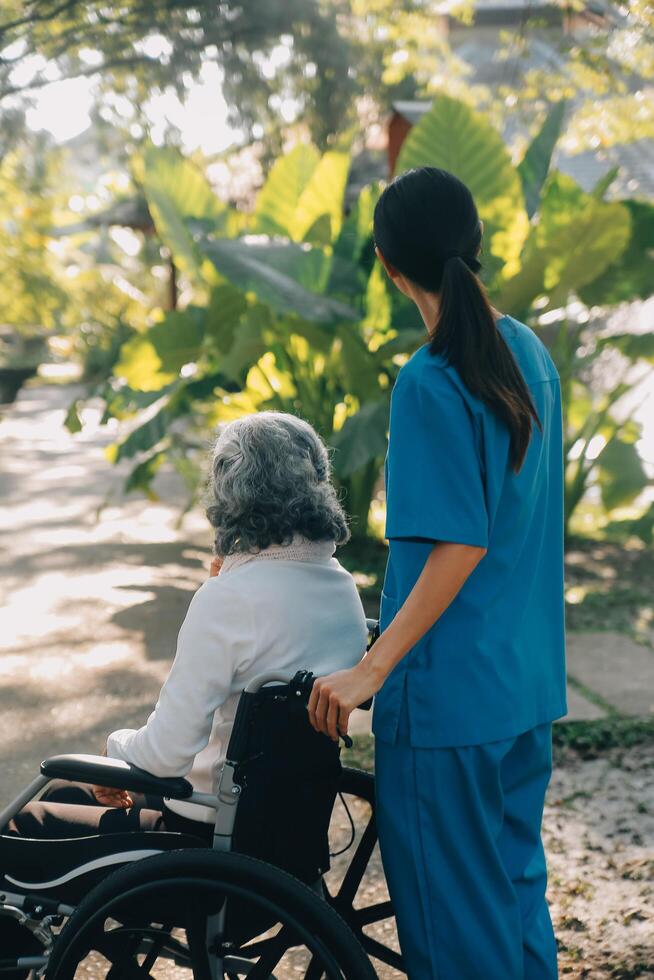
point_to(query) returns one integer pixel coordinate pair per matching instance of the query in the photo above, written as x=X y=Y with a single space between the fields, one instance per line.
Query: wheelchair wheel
x=160 y=915
x=349 y=887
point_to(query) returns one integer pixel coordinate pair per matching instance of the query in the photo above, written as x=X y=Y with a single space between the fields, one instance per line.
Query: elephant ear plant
x=288 y=309
x=552 y=249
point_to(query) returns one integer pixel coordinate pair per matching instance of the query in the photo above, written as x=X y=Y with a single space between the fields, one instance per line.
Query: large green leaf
x=142 y=475
x=535 y=164
x=246 y=263
x=621 y=473
x=631 y=276
x=184 y=183
x=277 y=201
x=140 y=366
x=178 y=338
x=124 y=402
x=378 y=318
x=151 y=430
x=227 y=304
x=574 y=239
x=455 y=138
x=313 y=268
x=603 y=184
x=356 y=230
x=178 y=192
x=152 y=359
x=362 y=438
x=358 y=365
x=251 y=341
x=322 y=195
x=154 y=426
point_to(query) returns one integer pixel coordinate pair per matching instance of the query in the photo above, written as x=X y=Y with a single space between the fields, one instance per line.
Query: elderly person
x=277 y=599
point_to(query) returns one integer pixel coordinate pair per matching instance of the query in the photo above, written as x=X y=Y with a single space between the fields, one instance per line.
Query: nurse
x=469 y=670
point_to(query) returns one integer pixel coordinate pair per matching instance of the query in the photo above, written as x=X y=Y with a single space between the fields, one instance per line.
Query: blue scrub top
x=493 y=664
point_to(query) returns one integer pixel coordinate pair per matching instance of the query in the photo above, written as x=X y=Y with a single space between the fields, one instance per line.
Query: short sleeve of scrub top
x=493 y=663
x=434 y=471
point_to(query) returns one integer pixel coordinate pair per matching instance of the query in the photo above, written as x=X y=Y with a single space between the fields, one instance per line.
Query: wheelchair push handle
x=302 y=683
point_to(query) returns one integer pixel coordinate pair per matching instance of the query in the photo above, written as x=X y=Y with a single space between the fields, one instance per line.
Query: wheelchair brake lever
x=346 y=739
x=301 y=686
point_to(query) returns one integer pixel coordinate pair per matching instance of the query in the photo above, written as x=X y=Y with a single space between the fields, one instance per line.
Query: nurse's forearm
x=445 y=571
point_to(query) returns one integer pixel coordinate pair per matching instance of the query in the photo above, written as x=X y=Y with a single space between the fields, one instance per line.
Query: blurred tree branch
x=109 y=41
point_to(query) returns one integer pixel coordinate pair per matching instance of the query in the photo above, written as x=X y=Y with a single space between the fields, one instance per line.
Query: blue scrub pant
x=459 y=834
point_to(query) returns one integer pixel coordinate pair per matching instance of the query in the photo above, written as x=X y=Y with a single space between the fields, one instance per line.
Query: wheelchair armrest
x=116 y=773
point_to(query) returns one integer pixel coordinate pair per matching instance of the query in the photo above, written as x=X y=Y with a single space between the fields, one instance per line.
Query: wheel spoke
x=355 y=872
x=381 y=952
x=129 y=919
x=196 y=934
x=271 y=957
x=373 y=913
x=158 y=944
x=123 y=964
x=154 y=935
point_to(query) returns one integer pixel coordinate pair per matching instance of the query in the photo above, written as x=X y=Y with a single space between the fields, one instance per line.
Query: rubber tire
x=261 y=878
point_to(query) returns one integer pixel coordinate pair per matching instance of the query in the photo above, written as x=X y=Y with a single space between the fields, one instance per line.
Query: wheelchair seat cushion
x=67 y=868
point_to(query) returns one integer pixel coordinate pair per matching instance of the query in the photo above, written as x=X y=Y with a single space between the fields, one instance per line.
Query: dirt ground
x=599 y=836
x=598 y=832
x=92 y=607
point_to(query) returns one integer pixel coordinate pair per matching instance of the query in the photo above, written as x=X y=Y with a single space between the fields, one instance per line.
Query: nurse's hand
x=335 y=696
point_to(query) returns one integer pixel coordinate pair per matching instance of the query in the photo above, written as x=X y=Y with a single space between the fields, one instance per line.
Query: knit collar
x=299 y=549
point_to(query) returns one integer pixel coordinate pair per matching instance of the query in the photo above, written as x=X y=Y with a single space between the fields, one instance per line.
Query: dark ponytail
x=426 y=226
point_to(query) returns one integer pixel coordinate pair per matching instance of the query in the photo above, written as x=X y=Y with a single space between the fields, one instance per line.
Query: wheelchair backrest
x=289 y=776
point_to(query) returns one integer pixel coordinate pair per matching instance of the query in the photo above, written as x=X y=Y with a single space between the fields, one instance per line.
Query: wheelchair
x=252 y=902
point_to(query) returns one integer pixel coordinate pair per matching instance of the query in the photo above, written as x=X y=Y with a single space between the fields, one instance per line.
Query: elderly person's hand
x=117 y=798
x=335 y=696
x=110 y=796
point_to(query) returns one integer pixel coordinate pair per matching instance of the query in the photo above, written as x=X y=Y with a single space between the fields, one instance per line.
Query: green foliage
x=239 y=262
x=592 y=739
x=290 y=311
x=29 y=292
x=363 y=437
x=122 y=38
x=152 y=359
x=455 y=138
x=583 y=739
x=575 y=238
x=631 y=274
x=535 y=165
x=177 y=193
x=277 y=201
x=73 y=421
x=640 y=527
x=622 y=475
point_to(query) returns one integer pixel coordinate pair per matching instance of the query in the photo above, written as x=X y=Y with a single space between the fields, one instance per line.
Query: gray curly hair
x=270 y=479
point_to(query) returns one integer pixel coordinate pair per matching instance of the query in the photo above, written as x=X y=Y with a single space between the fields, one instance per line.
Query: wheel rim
x=345 y=898
x=138 y=950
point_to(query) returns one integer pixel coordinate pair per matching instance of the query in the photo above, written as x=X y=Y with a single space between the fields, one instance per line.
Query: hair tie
x=452 y=254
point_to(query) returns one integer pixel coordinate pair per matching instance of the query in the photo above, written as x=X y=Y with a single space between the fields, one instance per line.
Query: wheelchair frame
x=39 y=914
